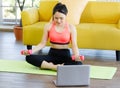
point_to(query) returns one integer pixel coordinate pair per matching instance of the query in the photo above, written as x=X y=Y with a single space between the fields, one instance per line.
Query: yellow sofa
x=99 y=26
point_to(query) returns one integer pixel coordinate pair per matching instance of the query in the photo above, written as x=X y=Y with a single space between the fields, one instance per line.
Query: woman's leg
x=35 y=60
x=54 y=58
x=73 y=63
x=42 y=61
x=64 y=56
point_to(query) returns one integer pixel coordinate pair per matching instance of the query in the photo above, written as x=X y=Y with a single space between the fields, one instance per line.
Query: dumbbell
x=29 y=52
x=81 y=57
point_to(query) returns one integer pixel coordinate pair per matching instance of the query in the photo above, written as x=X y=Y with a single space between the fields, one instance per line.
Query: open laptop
x=73 y=75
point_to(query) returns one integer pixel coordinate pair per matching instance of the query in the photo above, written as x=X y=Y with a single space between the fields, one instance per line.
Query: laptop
x=73 y=75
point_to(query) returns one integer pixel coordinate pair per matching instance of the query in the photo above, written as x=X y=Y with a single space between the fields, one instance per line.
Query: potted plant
x=18 y=28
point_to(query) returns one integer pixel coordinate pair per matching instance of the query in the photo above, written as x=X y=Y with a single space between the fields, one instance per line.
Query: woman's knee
x=34 y=61
x=28 y=59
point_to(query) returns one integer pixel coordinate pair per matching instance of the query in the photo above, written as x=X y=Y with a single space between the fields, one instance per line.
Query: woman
x=60 y=34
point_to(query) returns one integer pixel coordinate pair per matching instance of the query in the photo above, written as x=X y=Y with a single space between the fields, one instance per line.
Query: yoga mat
x=98 y=72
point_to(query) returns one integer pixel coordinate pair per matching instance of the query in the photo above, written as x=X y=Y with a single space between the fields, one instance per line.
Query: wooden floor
x=10 y=49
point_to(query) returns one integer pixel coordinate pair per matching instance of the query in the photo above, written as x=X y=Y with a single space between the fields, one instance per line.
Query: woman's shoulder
x=71 y=27
x=48 y=25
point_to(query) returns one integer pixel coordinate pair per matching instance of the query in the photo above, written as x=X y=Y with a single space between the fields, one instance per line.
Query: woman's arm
x=75 y=49
x=43 y=41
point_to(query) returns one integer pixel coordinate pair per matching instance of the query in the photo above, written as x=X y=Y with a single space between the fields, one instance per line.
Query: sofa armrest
x=29 y=16
x=118 y=24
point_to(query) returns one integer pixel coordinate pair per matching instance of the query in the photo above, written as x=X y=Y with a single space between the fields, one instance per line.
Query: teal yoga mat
x=98 y=72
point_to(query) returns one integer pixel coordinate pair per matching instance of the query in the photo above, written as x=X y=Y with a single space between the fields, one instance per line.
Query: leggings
x=56 y=56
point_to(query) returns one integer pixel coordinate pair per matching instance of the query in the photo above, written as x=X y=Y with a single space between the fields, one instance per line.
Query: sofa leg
x=117 y=55
x=29 y=47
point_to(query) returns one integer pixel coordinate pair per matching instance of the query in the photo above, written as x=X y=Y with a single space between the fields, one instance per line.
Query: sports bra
x=59 y=37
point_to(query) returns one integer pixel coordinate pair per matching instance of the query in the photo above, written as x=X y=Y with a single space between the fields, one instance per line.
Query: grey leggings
x=56 y=56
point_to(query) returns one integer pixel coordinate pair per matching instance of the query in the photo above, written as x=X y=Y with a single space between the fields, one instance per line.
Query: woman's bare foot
x=50 y=65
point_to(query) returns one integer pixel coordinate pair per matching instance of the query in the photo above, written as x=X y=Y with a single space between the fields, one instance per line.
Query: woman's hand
x=26 y=52
x=78 y=58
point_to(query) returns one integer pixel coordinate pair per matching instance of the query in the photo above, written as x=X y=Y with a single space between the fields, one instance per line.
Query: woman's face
x=59 y=18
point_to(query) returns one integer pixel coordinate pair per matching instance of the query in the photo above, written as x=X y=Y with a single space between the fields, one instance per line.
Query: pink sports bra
x=59 y=37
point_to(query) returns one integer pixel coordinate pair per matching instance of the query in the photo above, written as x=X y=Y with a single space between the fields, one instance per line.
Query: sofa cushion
x=33 y=33
x=98 y=36
x=75 y=9
x=45 y=9
x=28 y=18
x=118 y=24
x=101 y=12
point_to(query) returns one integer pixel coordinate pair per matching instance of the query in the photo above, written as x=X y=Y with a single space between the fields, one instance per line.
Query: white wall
x=0 y=11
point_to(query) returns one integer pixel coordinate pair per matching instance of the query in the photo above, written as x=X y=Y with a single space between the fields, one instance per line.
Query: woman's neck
x=60 y=25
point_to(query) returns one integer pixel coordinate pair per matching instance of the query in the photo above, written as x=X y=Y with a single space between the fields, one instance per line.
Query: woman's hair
x=59 y=7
